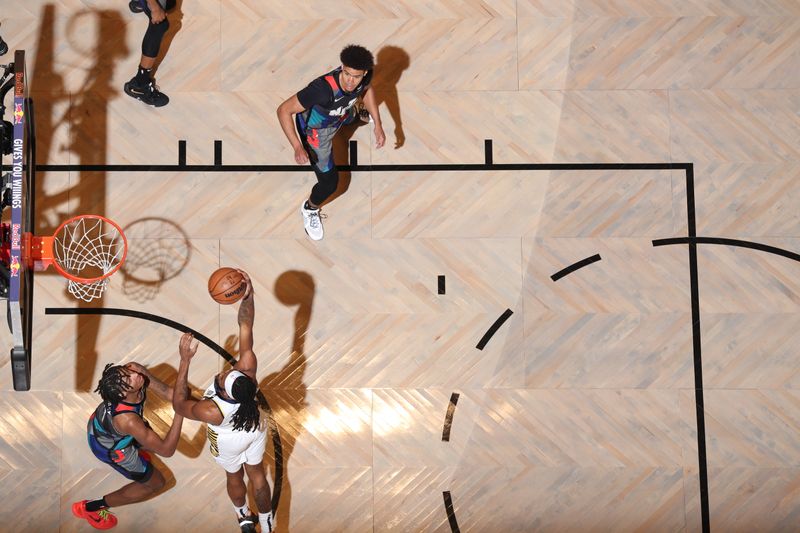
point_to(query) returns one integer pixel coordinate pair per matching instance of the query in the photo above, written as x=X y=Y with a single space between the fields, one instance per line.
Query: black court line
x=217 y=153
x=698 y=359
x=448 y=417
x=143 y=316
x=451 y=513
x=575 y=266
x=488 y=156
x=182 y=153
x=443 y=167
x=276 y=438
x=729 y=242
x=492 y=330
x=353 y=145
x=488 y=165
x=693 y=240
x=441 y=288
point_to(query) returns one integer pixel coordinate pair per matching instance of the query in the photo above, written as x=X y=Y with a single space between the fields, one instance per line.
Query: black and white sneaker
x=147 y=93
x=248 y=523
x=268 y=523
x=135 y=6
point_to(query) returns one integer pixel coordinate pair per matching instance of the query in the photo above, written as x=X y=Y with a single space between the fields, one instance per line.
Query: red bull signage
x=17 y=163
x=19 y=113
x=14 y=267
x=16 y=235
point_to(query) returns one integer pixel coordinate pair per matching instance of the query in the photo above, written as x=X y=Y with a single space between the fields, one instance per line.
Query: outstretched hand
x=249 y=290
x=186 y=347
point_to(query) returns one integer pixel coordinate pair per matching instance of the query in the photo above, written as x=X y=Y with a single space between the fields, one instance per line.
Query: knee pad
x=153 y=37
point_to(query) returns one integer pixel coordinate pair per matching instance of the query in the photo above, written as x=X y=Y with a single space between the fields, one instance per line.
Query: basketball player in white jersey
x=230 y=409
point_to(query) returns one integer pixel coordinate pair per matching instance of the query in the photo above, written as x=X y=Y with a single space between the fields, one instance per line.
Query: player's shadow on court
x=74 y=120
x=160 y=413
x=391 y=61
x=285 y=390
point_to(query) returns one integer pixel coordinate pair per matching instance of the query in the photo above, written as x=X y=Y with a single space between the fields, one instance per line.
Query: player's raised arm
x=247 y=363
x=204 y=410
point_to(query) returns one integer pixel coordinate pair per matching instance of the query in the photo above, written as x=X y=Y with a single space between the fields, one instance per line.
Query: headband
x=229 y=379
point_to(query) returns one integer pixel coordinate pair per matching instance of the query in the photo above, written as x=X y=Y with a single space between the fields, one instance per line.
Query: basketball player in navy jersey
x=324 y=106
x=118 y=435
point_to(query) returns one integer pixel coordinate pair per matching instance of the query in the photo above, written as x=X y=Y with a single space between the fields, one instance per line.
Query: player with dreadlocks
x=230 y=408
x=118 y=435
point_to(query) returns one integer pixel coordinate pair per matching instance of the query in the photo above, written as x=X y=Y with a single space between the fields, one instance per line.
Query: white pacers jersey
x=232 y=448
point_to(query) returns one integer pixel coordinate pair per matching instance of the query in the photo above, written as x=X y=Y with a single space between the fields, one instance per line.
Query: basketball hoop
x=86 y=249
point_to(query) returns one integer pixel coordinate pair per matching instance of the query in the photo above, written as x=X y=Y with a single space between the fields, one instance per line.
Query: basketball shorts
x=233 y=449
x=166 y=5
x=131 y=462
x=318 y=142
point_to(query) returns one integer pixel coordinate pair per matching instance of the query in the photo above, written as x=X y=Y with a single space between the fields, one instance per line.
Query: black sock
x=143 y=74
x=96 y=505
x=308 y=206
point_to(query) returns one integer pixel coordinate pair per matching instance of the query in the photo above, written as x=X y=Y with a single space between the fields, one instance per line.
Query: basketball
x=226 y=285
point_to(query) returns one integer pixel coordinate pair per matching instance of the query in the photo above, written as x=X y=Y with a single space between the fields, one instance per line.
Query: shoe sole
x=312 y=238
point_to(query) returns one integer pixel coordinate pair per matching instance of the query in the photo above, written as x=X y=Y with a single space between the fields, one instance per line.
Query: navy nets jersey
x=326 y=103
x=112 y=447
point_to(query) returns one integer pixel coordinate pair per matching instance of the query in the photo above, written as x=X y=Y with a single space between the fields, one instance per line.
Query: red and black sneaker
x=101 y=519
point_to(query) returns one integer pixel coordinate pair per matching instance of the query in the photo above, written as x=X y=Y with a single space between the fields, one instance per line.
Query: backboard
x=20 y=293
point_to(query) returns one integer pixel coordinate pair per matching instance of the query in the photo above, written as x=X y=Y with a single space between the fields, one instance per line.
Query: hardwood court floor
x=579 y=413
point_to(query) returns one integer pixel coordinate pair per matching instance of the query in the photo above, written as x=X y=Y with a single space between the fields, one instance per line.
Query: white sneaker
x=312 y=221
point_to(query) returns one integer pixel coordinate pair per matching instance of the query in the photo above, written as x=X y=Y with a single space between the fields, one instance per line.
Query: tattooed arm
x=247 y=363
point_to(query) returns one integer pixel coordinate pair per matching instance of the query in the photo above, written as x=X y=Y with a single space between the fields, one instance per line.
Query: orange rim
x=79 y=279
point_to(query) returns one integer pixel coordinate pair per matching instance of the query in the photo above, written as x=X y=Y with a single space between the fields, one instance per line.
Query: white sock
x=241 y=511
x=267 y=522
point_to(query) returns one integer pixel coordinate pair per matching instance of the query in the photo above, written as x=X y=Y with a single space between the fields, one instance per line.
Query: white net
x=87 y=248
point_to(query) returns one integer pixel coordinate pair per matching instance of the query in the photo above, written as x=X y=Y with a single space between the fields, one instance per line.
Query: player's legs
x=324 y=167
x=142 y=86
x=263 y=496
x=318 y=143
x=319 y=146
x=237 y=490
x=137 y=491
x=146 y=481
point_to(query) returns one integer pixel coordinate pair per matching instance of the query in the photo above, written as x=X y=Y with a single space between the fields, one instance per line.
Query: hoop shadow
x=158 y=250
